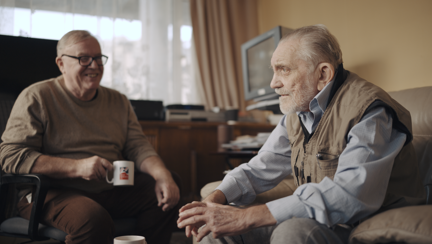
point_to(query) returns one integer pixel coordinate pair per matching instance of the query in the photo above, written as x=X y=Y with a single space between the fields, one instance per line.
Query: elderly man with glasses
x=71 y=129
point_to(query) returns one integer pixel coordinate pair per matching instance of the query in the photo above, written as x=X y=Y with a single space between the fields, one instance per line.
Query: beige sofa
x=404 y=225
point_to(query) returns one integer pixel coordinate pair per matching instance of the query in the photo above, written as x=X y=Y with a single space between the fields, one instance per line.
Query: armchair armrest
x=42 y=184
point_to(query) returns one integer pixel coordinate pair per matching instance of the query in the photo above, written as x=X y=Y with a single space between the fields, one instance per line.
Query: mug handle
x=109 y=181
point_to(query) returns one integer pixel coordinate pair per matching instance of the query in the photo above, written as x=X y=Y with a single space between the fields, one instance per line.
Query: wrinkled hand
x=167 y=193
x=93 y=168
x=219 y=219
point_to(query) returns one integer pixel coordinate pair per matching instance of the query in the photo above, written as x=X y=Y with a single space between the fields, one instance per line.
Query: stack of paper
x=247 y=142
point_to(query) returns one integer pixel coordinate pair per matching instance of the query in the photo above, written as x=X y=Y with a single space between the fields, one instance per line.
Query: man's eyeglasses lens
x=85 y=61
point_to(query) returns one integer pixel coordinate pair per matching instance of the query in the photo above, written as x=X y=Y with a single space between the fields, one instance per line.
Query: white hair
x=316 y=44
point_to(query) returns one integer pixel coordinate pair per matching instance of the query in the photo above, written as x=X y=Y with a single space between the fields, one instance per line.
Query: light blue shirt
x=359 y=185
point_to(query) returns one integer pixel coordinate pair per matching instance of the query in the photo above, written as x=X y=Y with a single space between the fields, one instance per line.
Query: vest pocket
x=326 y=165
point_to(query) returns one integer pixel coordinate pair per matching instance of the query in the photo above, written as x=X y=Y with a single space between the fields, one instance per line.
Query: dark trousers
x=88 y=217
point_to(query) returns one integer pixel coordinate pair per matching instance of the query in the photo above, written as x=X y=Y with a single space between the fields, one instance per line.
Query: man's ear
x=60 y=64
x=326 y=73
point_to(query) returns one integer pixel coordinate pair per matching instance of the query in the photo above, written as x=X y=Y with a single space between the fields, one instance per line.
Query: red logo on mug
x=124 y=173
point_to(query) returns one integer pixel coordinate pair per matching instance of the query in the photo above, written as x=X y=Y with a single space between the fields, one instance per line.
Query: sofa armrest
x=41 y=183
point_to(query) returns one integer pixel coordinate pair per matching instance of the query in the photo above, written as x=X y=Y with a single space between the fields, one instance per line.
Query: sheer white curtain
x=148 y=42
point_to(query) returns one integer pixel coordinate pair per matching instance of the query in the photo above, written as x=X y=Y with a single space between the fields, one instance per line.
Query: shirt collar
x=320 y=99
x=317 y=107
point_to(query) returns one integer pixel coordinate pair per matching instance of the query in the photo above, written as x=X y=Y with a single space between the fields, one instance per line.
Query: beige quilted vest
x=320 y=156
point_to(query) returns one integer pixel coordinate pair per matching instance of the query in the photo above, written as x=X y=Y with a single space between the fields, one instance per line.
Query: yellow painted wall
x=387 y=42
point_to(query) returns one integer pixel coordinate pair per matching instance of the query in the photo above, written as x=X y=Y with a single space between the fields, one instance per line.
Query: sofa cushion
x=285 y=188
x=407 y=225
x=417 y=101
x=209 y=188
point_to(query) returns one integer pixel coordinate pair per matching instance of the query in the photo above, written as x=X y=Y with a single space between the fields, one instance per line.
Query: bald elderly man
x=72 y=129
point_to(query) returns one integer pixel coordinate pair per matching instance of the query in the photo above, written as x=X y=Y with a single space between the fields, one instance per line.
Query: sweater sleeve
x=22 y=138
x=137 y=147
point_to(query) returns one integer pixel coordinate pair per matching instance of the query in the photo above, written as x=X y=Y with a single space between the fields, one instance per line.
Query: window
x=148 y=42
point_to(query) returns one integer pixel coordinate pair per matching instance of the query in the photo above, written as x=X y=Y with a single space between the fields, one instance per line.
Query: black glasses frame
x=92 y=59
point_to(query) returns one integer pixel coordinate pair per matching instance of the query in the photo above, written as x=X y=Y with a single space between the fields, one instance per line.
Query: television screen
x=260 y=75
x=257 y=72
x=25 y=61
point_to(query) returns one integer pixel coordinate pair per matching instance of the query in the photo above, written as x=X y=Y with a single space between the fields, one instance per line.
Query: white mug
x=130 y=240
x=123 y=174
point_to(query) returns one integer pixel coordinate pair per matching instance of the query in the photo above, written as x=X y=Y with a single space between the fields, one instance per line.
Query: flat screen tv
x=24 y=61
x=257 y=74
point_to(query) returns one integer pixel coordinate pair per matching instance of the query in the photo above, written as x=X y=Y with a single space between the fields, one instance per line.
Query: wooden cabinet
x=187 y=147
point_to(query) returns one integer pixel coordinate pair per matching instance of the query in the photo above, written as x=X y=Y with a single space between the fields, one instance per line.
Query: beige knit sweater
x=48 y=119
